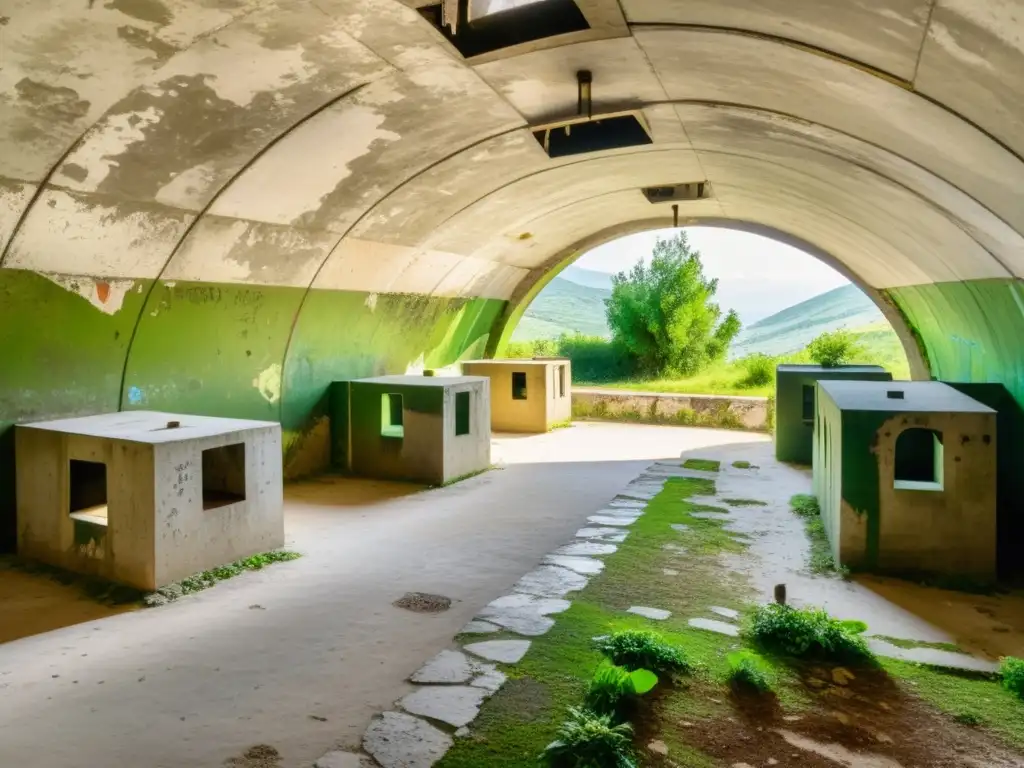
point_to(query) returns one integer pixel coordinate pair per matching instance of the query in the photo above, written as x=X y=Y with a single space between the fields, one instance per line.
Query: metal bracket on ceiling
x=584 y=92
x=675 y=216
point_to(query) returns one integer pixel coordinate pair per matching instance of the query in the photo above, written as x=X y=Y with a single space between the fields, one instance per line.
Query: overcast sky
x=756 y=276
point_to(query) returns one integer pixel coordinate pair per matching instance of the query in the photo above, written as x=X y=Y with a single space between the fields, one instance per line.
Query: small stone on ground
x=505 y=651
x=477 y=627
x=446 y=667
x=658 y=748
x=456 y=705
x=550 y=581
x=523 y=613
x=680 y=527
x=670 y=571
x=423 y=602
x=397 y=740
x=585 y=548
x=728 y=613
x=491 y=680
x=658 y=614
x=587 y=566
x=713 y=625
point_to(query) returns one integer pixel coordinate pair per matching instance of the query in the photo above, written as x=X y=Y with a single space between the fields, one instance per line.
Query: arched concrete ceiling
x=223 y=205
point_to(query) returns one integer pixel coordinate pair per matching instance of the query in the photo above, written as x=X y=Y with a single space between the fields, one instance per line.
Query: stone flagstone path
x=453 y=685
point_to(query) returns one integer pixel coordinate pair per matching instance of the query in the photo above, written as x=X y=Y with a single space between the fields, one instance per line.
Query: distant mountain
x=791 y=329
x=565 y=306
x=587 y=277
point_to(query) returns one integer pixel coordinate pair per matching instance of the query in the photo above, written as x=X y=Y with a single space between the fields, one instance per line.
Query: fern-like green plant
x=643 y=649
x=613 y=689
x=589 y=740
x=806 y=633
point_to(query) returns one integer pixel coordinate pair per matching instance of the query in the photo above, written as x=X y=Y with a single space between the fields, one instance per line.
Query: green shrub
x=805 y=505
x=749 y=671
x=806 y=633
x=1012 y=670
x=612 y=689
x=588 y=740
x=759 y=370
x=833 y=348
x=642 y=649
x=854 y=626
x=595 y=358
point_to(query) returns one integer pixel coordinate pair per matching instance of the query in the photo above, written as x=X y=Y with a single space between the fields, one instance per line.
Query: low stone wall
x=723 y=411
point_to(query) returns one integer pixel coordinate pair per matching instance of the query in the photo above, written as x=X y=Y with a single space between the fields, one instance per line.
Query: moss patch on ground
x=820 y=559
x=206 y=579
x=745 y=503
x=744 y=465
x=900 y=642
x=704 y=465
x=520 y=720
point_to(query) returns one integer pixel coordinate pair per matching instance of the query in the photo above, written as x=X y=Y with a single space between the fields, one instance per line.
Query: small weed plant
x=589 y=740
x=1012 y=670
x=805 y=505
x=642 y=649
x=759 y=370
x=613 y=689
x=971 y=719
x=806 y=633
x=749 y=672
x=206 y=579
x=833 y=348
x=745 y=503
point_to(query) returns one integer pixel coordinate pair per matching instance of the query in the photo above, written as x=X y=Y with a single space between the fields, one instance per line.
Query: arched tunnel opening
x=177 y=236
x=225 y=208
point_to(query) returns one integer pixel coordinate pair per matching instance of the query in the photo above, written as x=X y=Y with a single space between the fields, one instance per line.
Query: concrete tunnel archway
x=529 y=289
x=220 y=206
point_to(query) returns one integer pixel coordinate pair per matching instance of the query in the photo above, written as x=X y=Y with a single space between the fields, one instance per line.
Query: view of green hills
x=573 y=303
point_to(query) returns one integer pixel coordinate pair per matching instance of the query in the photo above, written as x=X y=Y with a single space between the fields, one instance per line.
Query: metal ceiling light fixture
x=584 y=83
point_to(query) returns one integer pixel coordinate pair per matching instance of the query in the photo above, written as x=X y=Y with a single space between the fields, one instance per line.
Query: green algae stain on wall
x=211 y=349
x=972 y=330
x=64 y=341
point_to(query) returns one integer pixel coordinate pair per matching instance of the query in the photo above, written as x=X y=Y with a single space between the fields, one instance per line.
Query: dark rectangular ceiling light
x=696 y=190
x=593 y=136
x=505 y=28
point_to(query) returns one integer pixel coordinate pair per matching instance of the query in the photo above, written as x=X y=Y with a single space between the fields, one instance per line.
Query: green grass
x=980 y=696
x=704 y=465
x=900 y=642
x=523 y=717
x=820 y=559
x=745 y=503
x=744 y=465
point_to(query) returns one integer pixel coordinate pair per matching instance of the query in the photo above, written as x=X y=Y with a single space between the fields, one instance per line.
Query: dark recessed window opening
x=518 y=385
x=561 y=381
x=223 y=475
x=595 y=135
x=918 y=460
x=808 y=394
x=478 y=32
x=87 y=491
x=462 y=413
x=698 y=190
x=392 y=416
x=894 y=394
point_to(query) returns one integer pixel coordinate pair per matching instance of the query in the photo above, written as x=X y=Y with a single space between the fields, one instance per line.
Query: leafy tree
x=663 y=316
x=834 y=348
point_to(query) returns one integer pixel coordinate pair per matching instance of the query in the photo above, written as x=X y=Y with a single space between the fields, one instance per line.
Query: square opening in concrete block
x=561 y=381
x=462 y=413
x=518 y=385
x=223 y=475
x=392 y=420
x=87 y=491
x=918 y=460
x=808 y=410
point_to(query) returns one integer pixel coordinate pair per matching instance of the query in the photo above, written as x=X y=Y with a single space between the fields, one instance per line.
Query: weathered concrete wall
x=159 y=528
x=428 y=450
x=691 y=410
x=546 y=403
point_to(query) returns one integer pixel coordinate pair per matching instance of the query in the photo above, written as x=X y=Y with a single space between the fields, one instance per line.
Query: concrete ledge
x=723 y=411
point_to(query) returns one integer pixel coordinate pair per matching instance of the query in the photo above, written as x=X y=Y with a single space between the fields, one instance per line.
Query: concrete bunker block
x=795 y=403
x=147 y=498
x=530 y=395
x=905 y=473
x=428 y=429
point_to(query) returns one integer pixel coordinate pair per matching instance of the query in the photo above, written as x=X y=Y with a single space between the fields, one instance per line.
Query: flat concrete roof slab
x=422 y=381
x=148 y=426
x=918 y=396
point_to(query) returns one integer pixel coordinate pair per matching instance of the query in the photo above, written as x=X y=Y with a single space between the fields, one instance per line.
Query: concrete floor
x=301 y=655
